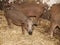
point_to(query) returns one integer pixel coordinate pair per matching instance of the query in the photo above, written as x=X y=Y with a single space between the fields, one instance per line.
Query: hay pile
x=14 y=36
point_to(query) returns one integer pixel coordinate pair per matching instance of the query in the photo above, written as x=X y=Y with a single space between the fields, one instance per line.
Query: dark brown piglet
x=18 y=18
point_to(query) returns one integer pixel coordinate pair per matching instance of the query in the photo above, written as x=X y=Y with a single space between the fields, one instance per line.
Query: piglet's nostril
x=30 y=32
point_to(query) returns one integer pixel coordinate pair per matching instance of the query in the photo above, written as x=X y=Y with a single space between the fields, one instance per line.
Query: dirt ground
x=14 y=36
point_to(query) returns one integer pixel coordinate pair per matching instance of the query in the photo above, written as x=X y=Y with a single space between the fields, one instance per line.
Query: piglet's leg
x=36 y=20
x=53 y=26
x=22 y=26
x=8 y=22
